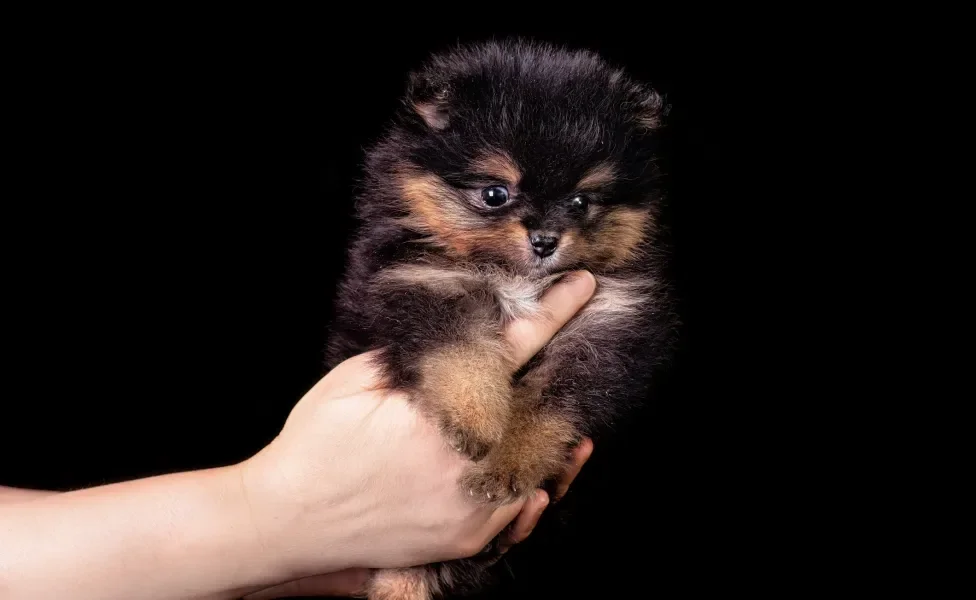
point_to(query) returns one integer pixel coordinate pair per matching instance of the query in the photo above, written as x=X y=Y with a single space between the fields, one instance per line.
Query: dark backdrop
x=176 y=213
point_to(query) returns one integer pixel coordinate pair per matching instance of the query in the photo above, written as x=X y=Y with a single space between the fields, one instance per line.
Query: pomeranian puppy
x=508 y=164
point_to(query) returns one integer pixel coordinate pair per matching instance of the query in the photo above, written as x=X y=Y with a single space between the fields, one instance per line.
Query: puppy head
x=528 y=155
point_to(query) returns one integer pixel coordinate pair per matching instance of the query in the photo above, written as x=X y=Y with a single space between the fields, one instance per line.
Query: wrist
x=228 y=545
x=297 y=535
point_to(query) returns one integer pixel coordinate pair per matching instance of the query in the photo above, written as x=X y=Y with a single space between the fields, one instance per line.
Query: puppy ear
x=650 y=109
x=429 y=99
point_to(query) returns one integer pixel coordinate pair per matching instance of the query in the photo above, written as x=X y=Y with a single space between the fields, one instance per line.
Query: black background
x=177 y=210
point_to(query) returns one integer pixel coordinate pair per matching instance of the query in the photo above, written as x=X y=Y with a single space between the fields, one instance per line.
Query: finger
x=526 y=521
x=351 y=582
x=501 y=518
x=352 y=376
x=580 y=455
x=563 y=300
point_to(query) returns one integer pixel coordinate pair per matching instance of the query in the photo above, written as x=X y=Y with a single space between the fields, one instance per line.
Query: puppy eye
x=494 y=196
x=579 y=201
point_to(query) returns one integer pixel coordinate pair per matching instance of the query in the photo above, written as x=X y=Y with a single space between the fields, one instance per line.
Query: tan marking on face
x=500 y=166
x=599 y=176
x=618 y=240
x=426 y=195
x=514 y=234
x=567 y=245
x=506 y=239
x=435 y=212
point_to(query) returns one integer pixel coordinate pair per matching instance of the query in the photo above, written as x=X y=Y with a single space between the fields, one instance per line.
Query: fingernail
x=542 y=497
x=582 y=281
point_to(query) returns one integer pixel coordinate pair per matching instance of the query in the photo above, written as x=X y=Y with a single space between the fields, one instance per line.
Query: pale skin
x=356 y=480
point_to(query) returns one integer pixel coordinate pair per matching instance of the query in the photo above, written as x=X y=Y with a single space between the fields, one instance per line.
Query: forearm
x=9 y=495
x=185 y=535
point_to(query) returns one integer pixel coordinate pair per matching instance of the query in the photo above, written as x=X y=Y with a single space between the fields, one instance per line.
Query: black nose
x=543 y=244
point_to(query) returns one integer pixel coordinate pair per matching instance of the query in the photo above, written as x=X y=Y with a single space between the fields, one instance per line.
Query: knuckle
x=470 y=546
x=516 y=537
x=547 y=319
x=465 y=543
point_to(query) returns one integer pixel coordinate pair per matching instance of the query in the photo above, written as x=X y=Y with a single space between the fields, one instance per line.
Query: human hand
x=351 y=582
x=358 y=479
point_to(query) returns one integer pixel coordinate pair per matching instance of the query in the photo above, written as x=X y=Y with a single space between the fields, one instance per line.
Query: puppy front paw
x=534 y=451
x=468 y=390
x=472 y=442
x=491 y=484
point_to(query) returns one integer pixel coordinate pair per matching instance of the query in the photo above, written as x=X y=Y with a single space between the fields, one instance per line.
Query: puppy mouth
x=545 y=265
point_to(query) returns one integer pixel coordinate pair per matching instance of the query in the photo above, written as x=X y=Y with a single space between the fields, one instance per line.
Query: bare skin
x=356 y=480
x=351 y=582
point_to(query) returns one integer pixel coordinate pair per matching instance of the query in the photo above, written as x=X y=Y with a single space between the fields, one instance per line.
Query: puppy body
x=509 y=165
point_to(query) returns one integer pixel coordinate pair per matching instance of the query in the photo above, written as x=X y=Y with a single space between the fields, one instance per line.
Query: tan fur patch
x=468 y=386
x=508 y=238
x=500 y=166
x=538 y=441
x=620 y=236
x=434 y=211
x=533 y=450
x=567 y=243
x=427 y=197
x=597 y=177
x=399 y=584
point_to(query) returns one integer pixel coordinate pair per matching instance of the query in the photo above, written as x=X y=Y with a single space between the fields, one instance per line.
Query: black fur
x=556 y=113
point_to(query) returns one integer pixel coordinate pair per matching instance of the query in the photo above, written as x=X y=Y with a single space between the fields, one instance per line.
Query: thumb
x=559 y=304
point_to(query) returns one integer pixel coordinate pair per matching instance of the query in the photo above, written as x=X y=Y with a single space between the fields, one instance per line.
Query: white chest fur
x=614 y=303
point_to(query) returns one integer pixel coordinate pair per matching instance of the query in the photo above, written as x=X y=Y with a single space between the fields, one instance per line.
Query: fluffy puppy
x=508 y=164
